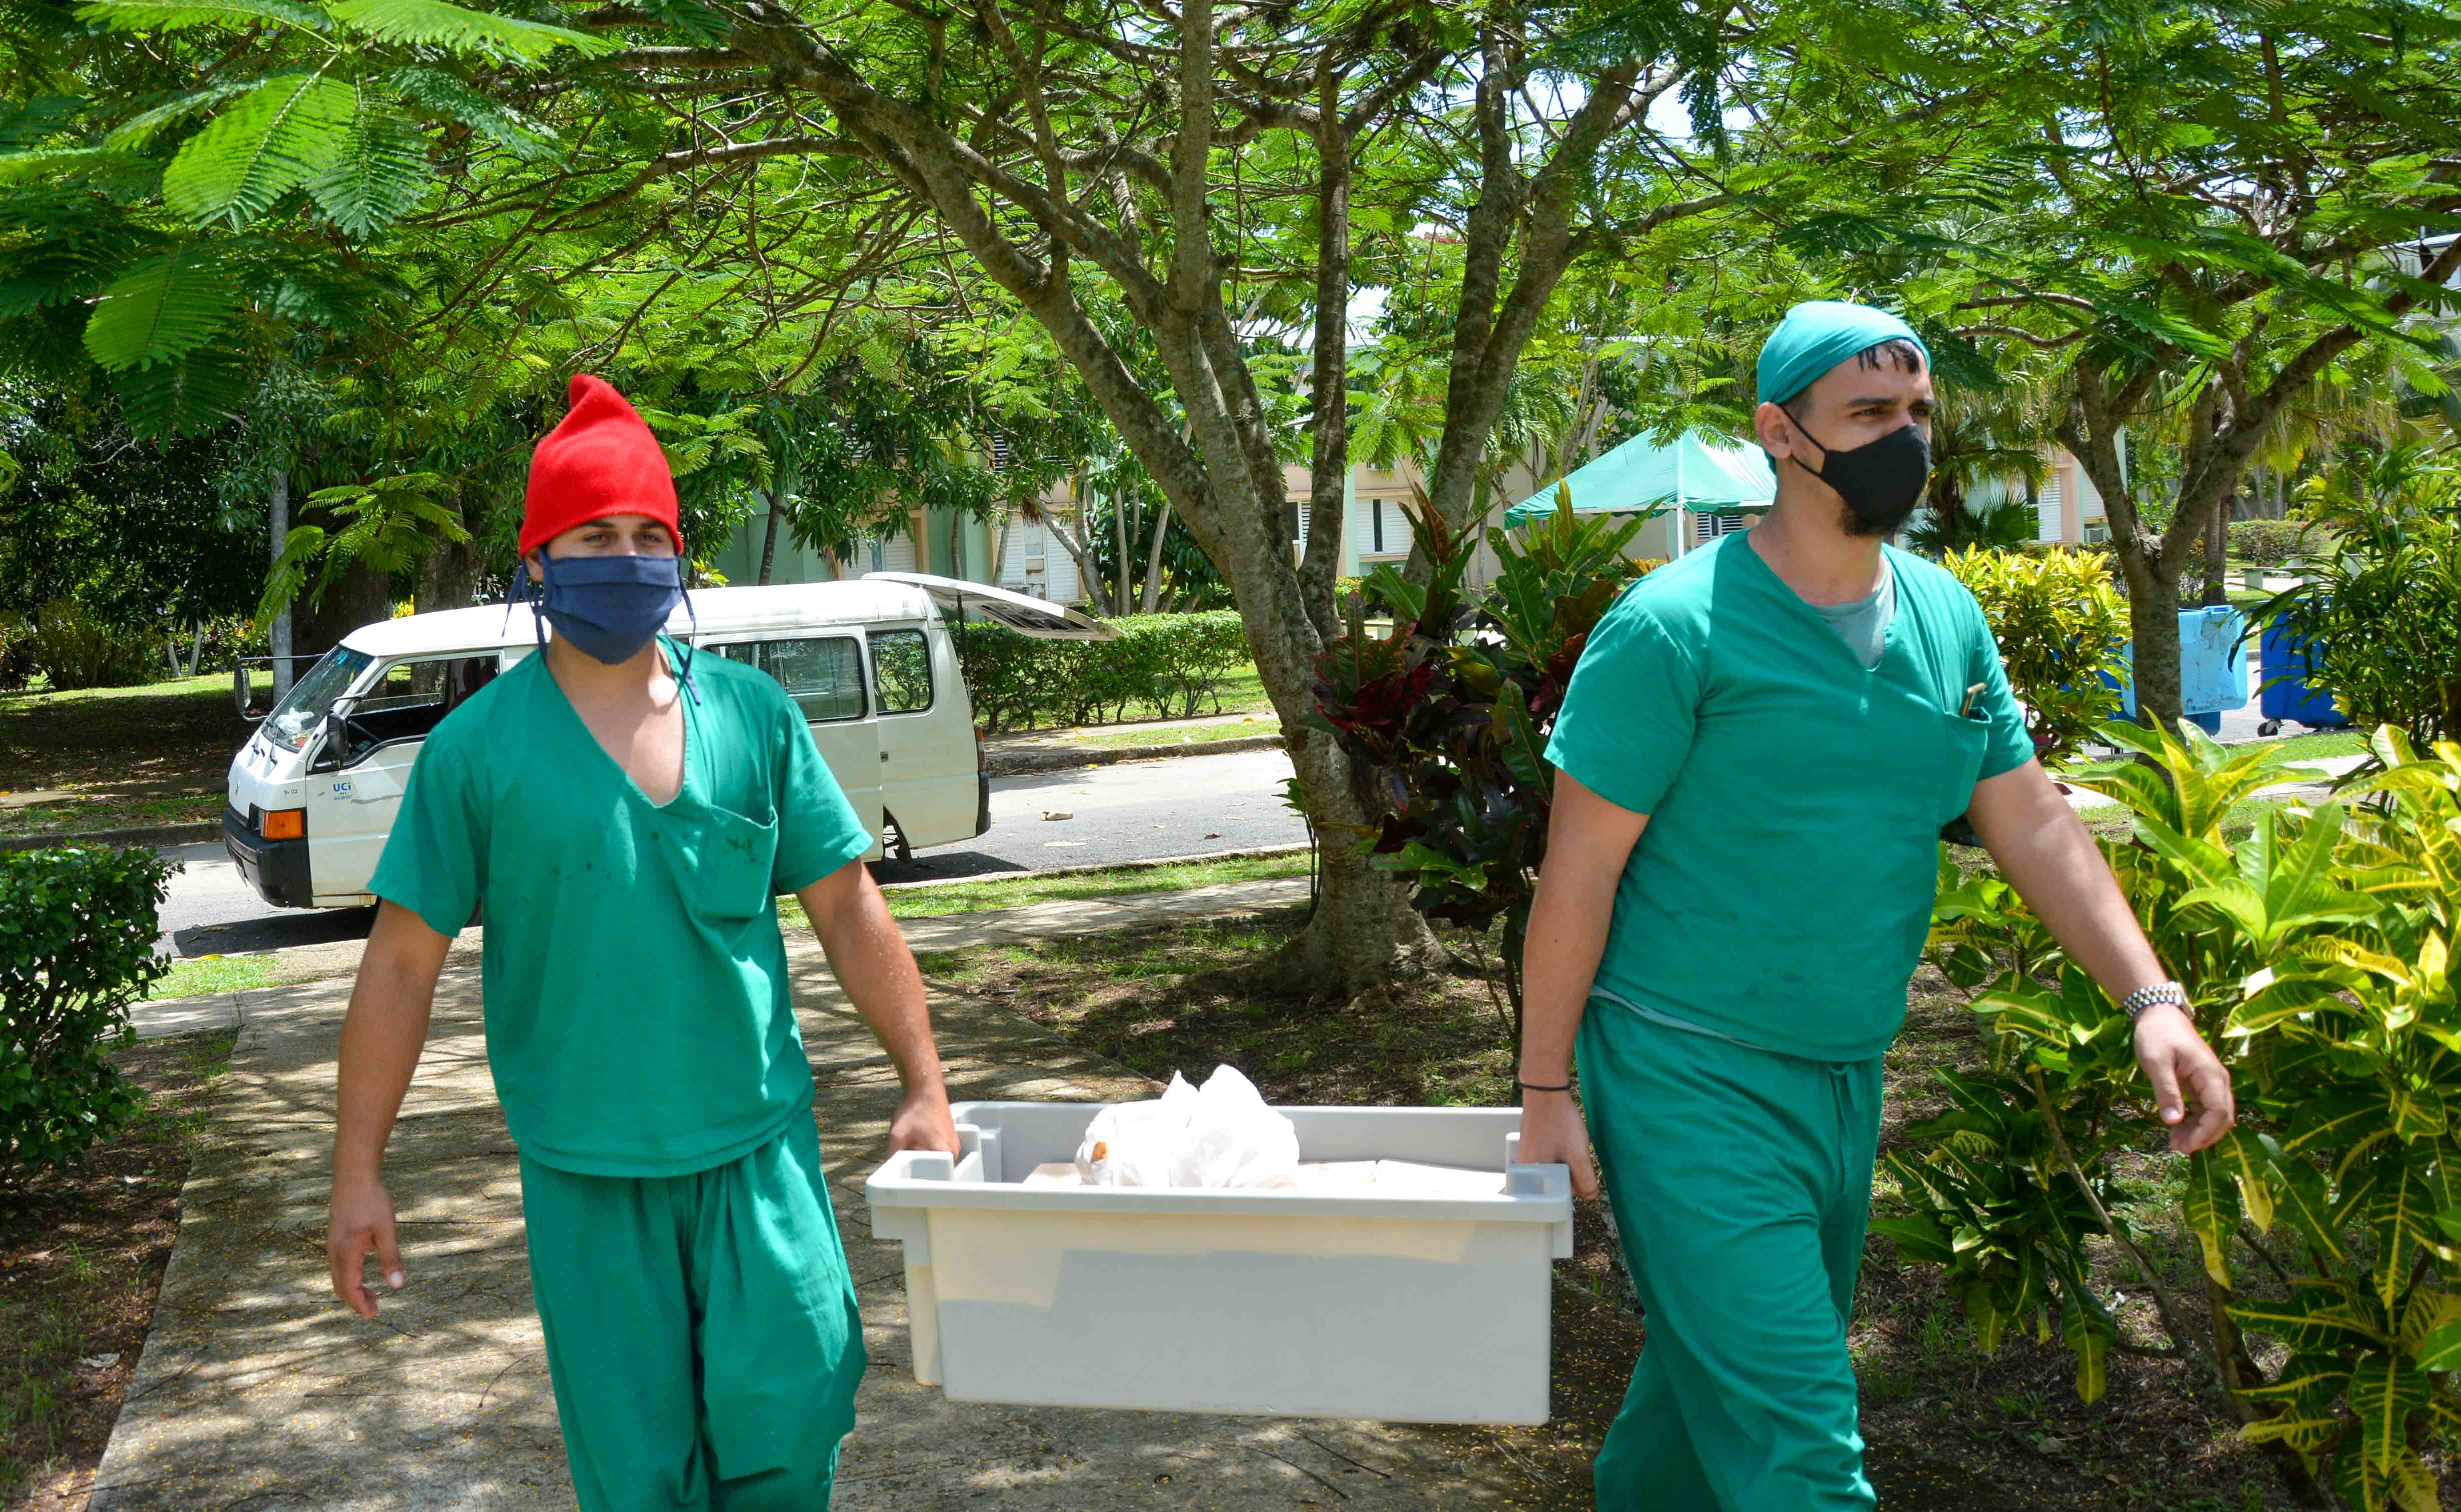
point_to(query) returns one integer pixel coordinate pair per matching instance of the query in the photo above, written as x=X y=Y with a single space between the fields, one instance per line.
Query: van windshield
x=312 y=697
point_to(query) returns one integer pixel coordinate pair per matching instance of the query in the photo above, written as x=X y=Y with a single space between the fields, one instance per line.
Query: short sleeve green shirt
x=640 y=1022
x=1782 y=890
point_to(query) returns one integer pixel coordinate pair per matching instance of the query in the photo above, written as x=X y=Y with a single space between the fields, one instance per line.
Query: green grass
x=207 y=975
x=1185 y=734
x=87 y=815
x=2327 y=743
x=1128 y=882
x=43 y=697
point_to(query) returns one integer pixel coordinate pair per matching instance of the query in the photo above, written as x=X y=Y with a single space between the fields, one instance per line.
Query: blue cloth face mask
x=609 y=607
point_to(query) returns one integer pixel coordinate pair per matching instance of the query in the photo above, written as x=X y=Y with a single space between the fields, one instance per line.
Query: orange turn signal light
x=285 y=823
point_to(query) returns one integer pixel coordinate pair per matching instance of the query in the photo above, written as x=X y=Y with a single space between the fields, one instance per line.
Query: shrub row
x=1166 y=665
x=2270 y=543
x=77 y=948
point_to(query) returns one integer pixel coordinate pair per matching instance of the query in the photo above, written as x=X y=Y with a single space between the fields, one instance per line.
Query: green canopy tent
x=1643 y=476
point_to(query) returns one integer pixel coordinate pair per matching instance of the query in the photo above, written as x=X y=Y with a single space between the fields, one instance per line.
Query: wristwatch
x=2143 y=997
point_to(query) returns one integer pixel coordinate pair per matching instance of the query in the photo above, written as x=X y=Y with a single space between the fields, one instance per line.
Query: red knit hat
x=602 y=461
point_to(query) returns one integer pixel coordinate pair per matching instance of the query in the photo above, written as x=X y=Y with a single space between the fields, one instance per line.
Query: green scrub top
x=1782 y=891
x=640 y=1022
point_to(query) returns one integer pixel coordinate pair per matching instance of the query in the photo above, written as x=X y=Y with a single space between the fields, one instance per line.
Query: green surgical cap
x=1818 y=335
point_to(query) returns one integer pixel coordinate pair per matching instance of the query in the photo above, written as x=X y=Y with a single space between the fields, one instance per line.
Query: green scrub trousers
x=1741 y=1179
x=701 y=1331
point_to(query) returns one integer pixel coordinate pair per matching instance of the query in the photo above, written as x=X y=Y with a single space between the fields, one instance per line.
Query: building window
x=1377 y=505
x=1710 y=527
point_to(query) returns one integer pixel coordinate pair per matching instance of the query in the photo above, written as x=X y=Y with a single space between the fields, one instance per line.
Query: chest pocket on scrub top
x=731 y=863
x=1963 y=746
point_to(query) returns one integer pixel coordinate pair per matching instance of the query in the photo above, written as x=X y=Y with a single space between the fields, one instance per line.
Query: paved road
x=1133 y=811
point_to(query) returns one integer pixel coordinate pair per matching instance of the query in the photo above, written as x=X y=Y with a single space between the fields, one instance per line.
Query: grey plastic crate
x=1331 y=1305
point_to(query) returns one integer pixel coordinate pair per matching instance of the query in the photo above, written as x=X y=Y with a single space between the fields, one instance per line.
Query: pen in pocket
x=1972 y=697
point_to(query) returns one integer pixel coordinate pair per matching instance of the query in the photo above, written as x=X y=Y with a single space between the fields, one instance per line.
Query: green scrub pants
x=1741 y=1181
x=701 y=1331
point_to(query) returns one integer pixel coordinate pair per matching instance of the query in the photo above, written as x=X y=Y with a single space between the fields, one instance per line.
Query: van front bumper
x=276 y=868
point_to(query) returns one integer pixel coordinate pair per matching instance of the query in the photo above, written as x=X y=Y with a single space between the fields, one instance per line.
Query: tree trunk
x=448 y=576
x=1125 y=594
x=2217 y=553
x=361 y=596
x=1152 y=601
x=769 y=539
x=280 y=628
x=2154 y=621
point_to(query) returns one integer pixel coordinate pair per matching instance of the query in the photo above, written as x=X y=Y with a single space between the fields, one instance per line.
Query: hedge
x=2269 y=542
x=1166 y=665
x=77 y=948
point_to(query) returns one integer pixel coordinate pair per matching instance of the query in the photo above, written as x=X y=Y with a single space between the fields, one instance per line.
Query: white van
x=313 y=793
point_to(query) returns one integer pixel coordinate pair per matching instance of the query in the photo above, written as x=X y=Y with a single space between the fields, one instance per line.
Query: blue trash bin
x=2284 y=661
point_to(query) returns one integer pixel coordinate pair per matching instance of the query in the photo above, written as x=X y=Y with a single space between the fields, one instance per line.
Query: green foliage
x=271 y=140
x=75 y=648
x=2270 y=543
x=77 y=948
x=2383 y=617
x=2002 y=526
x=387 y=525
x=1445 y=716
x=2060 y=626
x=2316 y=952
x=16 y=657
x=1165 y=664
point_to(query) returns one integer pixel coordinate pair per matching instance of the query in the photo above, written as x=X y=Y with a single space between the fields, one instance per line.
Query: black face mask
x=1882 y=480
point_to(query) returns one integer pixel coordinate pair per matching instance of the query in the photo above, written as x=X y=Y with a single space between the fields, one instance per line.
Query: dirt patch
x=114 y=758
x=81 y=1254
x=1946 y=1430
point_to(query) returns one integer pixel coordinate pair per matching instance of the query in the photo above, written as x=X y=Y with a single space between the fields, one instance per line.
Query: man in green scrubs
x=627 y=814
x=1757 y=753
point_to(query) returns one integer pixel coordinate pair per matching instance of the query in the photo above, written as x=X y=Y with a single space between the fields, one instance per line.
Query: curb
x=1149 y=863
x=1061 y=758
x=149 y=834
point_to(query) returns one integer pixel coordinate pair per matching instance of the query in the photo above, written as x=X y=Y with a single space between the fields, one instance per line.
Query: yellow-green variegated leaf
x=2418 y=1113
x=2441 y=1349
x=2401 y=1219
x=2250 y=1164
x=2309 y=1322
x=2412 y=1484
x=2337 y=951
x=2273 y=1000
x=2211 y=1212
x=2309 y=1435
x=2384 y=1390
x=2427 y=1311
x=2313 y=1381
x=2091 y=1339
x=2304 y=1202
x=2030 y=1014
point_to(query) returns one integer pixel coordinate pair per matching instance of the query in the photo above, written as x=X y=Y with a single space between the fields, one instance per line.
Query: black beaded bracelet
x=1532 y=1086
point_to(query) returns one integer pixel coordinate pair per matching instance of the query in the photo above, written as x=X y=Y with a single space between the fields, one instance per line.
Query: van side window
x=411 y=699
x=901 y=670
x=823 y=674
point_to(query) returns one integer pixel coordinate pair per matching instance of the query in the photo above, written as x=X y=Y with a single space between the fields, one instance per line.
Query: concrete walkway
x=258 y=1391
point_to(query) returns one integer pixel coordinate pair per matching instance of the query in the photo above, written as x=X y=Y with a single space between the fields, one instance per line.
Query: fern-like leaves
x=172 y=15
x=147 y=124
x=458 y=29
x=186 y=394
x=286 y=131
x=162 y=309
x=378 y=175
x=436 y=93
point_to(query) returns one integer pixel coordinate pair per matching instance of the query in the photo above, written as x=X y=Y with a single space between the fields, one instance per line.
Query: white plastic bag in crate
x=1220 y=1136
